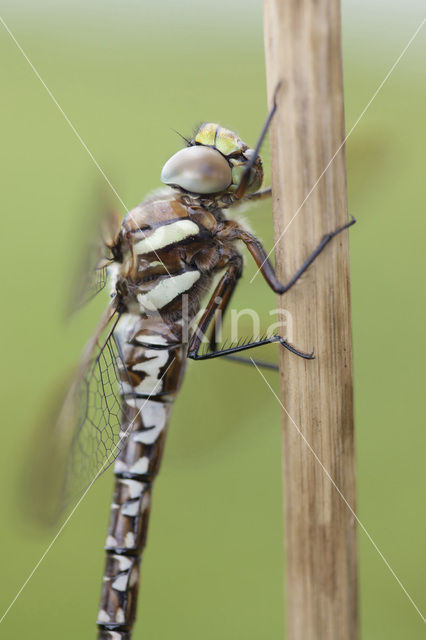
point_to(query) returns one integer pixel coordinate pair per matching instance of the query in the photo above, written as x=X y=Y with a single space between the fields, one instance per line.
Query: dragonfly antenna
x=188 y=142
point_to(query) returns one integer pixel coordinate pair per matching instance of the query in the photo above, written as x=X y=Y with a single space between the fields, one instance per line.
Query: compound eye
x=198 y=169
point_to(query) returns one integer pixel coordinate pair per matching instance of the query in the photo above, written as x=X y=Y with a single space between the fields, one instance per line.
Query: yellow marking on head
x=237 y=173
x=228 y=142
x=206 y=134
x=224 y=140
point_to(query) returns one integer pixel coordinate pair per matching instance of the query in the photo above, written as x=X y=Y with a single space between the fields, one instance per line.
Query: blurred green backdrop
x=126 y=75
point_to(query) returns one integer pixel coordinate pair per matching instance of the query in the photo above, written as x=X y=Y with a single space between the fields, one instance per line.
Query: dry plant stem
x=303 y=50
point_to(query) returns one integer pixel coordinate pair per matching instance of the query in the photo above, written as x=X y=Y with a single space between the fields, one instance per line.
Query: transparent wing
x=99 y=244
x=83 y=439
x=87 y=286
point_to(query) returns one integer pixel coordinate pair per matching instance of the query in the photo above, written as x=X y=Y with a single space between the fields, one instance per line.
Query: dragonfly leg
x=210 y=318
x=218 y=303
x=245 y=178
x=231 y=230
x=259 y=363
x=195 y=355
x=259 y=195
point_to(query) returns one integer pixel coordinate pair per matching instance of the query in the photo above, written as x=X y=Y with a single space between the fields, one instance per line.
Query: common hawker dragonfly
x=161 y=260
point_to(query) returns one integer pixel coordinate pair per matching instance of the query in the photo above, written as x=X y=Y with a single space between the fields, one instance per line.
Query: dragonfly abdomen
x=154 y=361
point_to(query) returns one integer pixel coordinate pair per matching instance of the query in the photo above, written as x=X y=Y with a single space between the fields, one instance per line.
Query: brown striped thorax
x=175 y=241
x=210 y=168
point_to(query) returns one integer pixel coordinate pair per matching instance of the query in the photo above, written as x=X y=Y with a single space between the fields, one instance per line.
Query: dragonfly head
x=212 y=163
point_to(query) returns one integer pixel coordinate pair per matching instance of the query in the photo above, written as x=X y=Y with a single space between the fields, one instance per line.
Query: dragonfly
x=161 y=260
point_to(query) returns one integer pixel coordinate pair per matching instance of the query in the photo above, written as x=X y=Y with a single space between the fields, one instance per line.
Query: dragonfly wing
x=91 y=276
x=84 y=437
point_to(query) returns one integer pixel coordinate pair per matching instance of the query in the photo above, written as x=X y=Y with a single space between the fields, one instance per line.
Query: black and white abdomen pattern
x=154 y=360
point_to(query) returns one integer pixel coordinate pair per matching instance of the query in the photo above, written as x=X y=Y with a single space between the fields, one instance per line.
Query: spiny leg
x=253 y=245
x=222 y=295
x=218 y=302
x=259 y=363
x=231 y=231
x=245 y=178
x=259 y=195
x=249 y=345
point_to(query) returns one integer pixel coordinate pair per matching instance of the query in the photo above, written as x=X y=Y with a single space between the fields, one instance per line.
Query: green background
x=126 y=76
